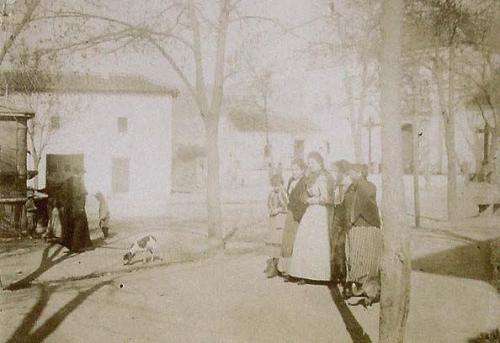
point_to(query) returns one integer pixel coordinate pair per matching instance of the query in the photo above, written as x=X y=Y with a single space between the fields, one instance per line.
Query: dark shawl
x=361 y=204
x=296 y=199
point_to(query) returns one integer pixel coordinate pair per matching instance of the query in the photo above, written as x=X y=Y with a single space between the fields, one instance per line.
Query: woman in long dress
x=311 y=251
x=363 y=244
x=77 y=237
x=296 y=209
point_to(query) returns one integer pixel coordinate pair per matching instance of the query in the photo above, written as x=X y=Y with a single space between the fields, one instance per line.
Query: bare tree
x=396 y=268
x=178 y=32
x=448 y=26
x=17 y=18
x=357 y=26
x=481 y=71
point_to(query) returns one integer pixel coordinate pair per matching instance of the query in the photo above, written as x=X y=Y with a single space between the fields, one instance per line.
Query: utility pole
x=416 y=181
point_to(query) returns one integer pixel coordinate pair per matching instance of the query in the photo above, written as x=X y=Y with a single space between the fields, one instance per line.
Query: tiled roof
x=29 y=82
x=8 y=110
x=246 y=120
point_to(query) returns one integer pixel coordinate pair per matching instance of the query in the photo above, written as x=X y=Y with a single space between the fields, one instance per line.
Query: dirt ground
x=196 y=296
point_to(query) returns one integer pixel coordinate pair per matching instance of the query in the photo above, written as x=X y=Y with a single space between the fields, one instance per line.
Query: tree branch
x=31 y=6
x=178 y=71
x=220 y=62
x=198 y=59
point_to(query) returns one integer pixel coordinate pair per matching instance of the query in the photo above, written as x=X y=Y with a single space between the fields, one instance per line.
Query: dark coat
x=76 y=235
x=361 y=204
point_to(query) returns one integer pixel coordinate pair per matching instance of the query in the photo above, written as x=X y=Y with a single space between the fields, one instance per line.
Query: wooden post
x=416 y=183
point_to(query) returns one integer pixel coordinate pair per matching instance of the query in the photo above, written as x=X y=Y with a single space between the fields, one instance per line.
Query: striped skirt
x=363 y=249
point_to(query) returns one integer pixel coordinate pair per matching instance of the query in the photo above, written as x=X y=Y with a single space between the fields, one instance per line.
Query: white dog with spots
x=146 y=244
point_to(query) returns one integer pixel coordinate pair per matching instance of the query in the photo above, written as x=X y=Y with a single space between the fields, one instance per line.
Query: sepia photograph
x=250 y=171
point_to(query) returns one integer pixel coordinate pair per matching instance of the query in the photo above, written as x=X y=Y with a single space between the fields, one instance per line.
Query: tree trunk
x=396 y=269
x=214 y=216
x=36 y=165
x=450 y=139
x=495 y=154
x=486 y=143
x=358 y=143
x=355 y=125
x=415 y=146
x=440 y=144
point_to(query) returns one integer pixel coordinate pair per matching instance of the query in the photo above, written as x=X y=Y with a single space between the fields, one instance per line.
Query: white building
x=122 y=126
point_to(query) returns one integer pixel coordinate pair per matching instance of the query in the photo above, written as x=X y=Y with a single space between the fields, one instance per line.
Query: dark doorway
x=61 y=167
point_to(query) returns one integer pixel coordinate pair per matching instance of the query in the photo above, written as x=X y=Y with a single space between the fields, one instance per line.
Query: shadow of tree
x=24 y=332
x=471 y=261
x=48 y=261
x=354 y=328
x=490 y=337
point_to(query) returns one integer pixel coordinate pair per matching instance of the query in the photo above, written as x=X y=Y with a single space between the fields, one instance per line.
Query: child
x=104 y=214
x=54 y=228
x=277 y=203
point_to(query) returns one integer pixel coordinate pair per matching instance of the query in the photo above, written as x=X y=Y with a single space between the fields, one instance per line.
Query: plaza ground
x=196 y=296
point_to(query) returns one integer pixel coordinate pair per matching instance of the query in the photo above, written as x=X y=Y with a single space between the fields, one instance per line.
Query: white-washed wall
x=89 y=126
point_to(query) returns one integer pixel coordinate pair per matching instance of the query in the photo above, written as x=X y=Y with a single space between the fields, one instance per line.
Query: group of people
x=68 y=224
x=331 y=225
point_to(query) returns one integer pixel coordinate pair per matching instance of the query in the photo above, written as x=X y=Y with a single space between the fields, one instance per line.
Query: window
x=122 y=124
x=120 y=175
x=55 y=122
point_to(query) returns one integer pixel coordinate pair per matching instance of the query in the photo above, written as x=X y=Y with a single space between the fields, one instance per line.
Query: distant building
x=121 y=124
x=242 y=144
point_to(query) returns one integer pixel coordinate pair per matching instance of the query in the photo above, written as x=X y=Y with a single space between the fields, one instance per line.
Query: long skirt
x=81 y=235
x=363 y=249
x=287 y=241
x=338 y=244
x=311 y=251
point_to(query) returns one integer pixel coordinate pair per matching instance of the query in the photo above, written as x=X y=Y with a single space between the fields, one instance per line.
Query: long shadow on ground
x=353 y=327
x=24 y=332
x=49 y=259
x=471 y=261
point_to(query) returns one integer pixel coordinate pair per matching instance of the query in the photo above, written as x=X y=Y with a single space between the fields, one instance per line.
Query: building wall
x=89 y=125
